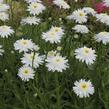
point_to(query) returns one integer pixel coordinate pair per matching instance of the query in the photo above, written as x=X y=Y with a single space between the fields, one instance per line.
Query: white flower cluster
x=5 y=30
x=32 y=59
x=85 y=54
x=54 y=61
x=80 y=15
x=35 y=7
x=3 y=11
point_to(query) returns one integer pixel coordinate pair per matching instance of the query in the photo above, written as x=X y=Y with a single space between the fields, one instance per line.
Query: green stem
x=58 y=105
x=11 y=10
x=33 y=59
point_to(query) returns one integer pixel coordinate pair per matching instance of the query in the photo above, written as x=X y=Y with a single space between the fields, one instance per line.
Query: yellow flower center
x=34 y=5
x=5 y=28
x=57 y=60
x=81 y=14
x=103 y=33
x=84 y=86
x=86 y=51
x=26 y=72
x=56 y=29
x=52 y=34
x=24 y=42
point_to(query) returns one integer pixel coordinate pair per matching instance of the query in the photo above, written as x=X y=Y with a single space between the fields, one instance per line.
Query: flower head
x=54 y=35
x=24 y=45
x=86 y=55
x=81 y=29
x=56 y=63
x=36 y=8
x=89 y=10
x=6 y=31
x=61 y=4
x=79 y=16
x=26 y=73
x=31 y=1
x=102 y=37
x=33 y=59
x=30 y=20
x=104 y=18
x=4 y=16
x=83 y=88
x=4 y=7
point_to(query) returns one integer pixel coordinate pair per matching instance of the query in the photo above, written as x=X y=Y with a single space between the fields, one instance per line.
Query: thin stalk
x=11 y=11
x=58 y=104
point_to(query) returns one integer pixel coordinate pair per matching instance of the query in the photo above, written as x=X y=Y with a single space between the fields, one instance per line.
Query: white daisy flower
x=89 y=10
x=26 y=73
x=6 y=31
x=83 y=88
x=4 y=16
x=51 y=37
x=1 y=50
x=33 y=59
x=30 y=1
x=24 y=45
x=4 y=7
x=81 y=29
x=106 y=3
x=30 y=20
x=86 y=55
x=36 y=8
x=58 y=30
x=54 y=35
x=53 y=53
x=79 y=16
x=61 y=4
x=56 y=63
x=102 y=37
x=104 y=18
